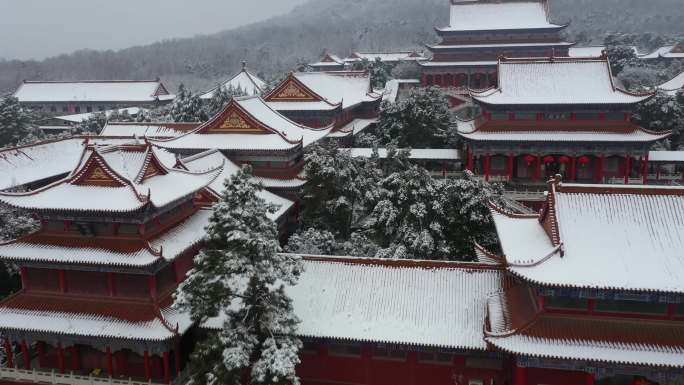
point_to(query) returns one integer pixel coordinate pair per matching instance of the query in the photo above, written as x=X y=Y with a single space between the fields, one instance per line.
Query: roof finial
x=244 y=65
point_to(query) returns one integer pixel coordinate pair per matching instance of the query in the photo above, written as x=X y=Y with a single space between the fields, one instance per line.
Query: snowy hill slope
x=341 y=26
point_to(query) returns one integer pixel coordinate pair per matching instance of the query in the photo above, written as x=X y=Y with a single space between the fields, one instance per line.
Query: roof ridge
x=399 y=263
x=89 y=81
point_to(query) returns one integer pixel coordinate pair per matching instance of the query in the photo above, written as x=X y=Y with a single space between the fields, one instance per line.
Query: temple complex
x=552 y=116
x=596 y=297
x=481 y=31
x=346 y=100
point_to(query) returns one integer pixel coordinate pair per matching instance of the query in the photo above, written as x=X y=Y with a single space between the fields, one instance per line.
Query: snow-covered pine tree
x=187 y=107
x=218 y=100
x=240 y=275
x=92 y=125
x=662 y=113
x=16 y=123
x=422 y=120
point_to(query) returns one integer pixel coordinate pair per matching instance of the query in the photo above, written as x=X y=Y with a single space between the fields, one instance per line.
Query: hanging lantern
x=529 y=159
x=583 y=160
x=549 y=159
x=564 y=159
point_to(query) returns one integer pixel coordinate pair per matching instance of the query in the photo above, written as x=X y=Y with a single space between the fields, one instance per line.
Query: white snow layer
x=561 y=81
x=622 y=241
x=442 y=307
x=102 y=91
x=473 y=16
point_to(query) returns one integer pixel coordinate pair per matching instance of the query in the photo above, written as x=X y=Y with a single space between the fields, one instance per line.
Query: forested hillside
x=282 y=43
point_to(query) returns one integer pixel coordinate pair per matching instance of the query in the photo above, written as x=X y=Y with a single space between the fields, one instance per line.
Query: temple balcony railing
x=666 y=176
x=621 y=180
x=446 y=174
x=40 y=376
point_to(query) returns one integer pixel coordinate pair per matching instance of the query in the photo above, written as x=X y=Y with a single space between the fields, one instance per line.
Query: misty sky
x=42 y=28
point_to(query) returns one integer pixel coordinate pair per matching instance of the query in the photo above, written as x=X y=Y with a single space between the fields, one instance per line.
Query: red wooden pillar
x=167 y=368
x=599 y=168
x=511 y=159
x=520 y=376
x=60 y=358
x=628 y=168
x=537 y=168
x=671 y=310
x=110 y=362
x=26 y=355
x=157 y=367
x=40 y=347
x=469 y=159
x=75 y=365
x=177 y=359
x=62 y=281
x=9 y=353
x=487 y=161
x=152 y=283
x=24 y=277
x=644 y=169
x=573 y=169
x=146 y=361
x=590 y=379
x=111 y=284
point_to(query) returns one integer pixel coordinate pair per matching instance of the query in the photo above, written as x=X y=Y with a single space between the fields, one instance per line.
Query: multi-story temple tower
x=116 y=237
x=481 y=31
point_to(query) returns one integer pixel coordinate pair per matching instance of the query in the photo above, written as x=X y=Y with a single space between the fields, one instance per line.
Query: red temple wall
x=325 y=369
x=534 y=376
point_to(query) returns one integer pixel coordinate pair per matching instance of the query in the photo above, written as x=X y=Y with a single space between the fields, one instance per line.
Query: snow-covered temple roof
x=78 y=118
x=42 y=161
x=244 y=81
x=91 y=91
x=592 y=51
x=167 y=246
x=426 y=303
x=322 y=91
x=389 y=57
x=600 y=237
x=633 y=134
x=517 y=326
x=666 y=52
x=124 y=178
x=328 y=60
x=487 y=15
x=674 y=85
x=246 y=123
x=147 y=130
x=554 y=81
x=65 y=315
x=211 y=159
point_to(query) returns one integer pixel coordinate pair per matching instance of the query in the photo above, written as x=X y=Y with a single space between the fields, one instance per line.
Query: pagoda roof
x=629 y=235
x=423 y=303
x=491 y=15
x=517 y=326
x=147 y=130
x=210 y=159
x=122 y=178
x=244 y=81
x=91 y=91
x=93 y=317
x=557 y=131
x=556 y=81
x=447 y=47
x=674 y=85
x=328 y=60
x=385 y=56
x=44 y=160
x=665 y=52
x=322 y=91
x=109 y=251
x=246 y=124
